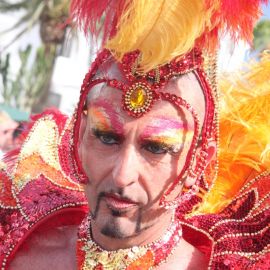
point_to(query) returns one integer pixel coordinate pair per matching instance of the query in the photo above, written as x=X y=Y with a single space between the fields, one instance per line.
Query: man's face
x=130 y=162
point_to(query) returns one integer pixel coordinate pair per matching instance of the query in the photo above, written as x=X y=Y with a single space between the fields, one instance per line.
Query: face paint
x=168 y=132
x=103 y=116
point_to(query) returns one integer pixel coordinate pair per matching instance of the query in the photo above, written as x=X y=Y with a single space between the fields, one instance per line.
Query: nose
x=126 y=167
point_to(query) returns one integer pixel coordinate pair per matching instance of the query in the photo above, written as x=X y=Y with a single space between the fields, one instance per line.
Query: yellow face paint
x=103 y=116
x=166 y=131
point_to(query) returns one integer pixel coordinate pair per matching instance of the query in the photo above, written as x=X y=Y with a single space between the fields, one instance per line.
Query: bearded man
x=130 y=182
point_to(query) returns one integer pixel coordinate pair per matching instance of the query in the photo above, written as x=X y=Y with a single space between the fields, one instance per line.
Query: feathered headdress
x=162 y=30
x=244 y=133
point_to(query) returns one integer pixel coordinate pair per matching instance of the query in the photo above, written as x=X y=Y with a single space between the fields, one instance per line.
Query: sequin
x=138 y=257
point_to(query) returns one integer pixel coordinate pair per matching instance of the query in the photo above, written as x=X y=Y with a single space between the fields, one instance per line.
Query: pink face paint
x=167 y=131
x=103 y=116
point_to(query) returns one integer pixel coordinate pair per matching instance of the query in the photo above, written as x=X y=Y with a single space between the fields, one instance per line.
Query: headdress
x=154 y=41
x=244 y=147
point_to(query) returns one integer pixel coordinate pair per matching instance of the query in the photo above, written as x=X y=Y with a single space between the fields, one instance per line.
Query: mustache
x=110 y=193
x=116 y=194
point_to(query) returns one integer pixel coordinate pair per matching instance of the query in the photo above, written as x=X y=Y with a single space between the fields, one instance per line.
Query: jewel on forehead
x=138 y=99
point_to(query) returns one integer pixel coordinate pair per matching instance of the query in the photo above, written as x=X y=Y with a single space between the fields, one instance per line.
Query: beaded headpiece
x=153 y=42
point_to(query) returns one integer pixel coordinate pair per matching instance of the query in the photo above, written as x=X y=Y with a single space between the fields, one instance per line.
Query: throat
x=92 y=256
x=133 y=229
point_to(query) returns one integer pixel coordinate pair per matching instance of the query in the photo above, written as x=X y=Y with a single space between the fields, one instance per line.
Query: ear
x=211 y=152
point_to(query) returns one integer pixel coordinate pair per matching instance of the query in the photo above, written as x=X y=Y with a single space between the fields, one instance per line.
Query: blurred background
x=43 y=60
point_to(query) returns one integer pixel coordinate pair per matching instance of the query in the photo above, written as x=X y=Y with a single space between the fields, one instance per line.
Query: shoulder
x=37 y=187
x=239 y=234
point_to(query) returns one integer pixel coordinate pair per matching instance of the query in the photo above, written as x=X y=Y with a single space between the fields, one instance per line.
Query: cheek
x=92 y=165
x=165 y=176
x=95 y=171
x=97 y=159
x=91 y=162
x=91 y=194
x=160 y=175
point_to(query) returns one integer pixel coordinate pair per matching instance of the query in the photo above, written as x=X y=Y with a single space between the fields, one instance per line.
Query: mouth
x=118 y=203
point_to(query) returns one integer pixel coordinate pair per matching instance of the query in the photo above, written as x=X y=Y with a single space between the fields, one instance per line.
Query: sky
x=231 y=57
x=266 y=11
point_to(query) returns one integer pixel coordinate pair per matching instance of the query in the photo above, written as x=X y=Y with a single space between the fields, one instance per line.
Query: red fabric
x=241 y=229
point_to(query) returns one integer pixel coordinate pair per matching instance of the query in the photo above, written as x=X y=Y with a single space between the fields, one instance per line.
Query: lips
x=118 y=203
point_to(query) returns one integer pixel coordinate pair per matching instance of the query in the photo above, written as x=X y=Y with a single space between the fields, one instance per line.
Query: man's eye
x=108 y=139
x=156 y=148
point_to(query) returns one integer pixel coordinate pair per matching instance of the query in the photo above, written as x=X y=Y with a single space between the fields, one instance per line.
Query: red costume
x=228 y=220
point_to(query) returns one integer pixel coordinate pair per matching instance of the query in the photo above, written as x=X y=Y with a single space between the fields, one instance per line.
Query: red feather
x=89 y=13
x=235 y=17
x=240 y=16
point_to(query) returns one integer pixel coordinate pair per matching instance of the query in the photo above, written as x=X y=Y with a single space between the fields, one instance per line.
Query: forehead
x=106 y=101
x=186 y=86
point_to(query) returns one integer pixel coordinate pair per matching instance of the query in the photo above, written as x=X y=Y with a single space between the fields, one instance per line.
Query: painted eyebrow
x=161 y=124
x=146 y=140
x=113 y=116
x=113 y=133
x=163 y=140
x=171 y=147
x=167 y=122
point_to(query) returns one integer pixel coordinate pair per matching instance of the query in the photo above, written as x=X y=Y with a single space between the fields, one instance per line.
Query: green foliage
x=18 y=84
x=36 y=11
x=6 y=6
x=4 y=70
x=27 y=21
x=31 y=83
x=38 y=77
x=25 y=89
x=262 y=35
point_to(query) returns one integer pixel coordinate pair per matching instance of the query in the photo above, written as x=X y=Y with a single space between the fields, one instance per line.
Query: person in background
x=7 y=128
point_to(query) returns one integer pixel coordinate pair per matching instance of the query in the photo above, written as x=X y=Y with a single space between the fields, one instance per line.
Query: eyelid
x=147 y=141
x=97 y=132
x=162 y=145
x=169 y=148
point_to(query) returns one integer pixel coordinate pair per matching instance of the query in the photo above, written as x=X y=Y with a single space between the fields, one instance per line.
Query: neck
x=151 y=233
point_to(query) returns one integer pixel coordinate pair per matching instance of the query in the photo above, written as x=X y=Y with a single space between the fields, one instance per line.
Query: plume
x=244 y=133
x=164 y=29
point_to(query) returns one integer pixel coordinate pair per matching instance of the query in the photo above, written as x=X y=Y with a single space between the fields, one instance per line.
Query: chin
x=115 y=232
x=118 y=226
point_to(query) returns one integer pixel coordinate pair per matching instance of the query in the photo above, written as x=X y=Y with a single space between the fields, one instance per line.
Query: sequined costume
x=40 y=188
x=227 y=218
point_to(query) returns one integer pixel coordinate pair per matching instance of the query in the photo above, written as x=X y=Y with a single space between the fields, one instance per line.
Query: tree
x=262 y=36
x=52 y=16
x=21 y=91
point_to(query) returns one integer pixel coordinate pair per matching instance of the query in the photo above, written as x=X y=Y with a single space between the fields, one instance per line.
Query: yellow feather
x=150 y=26
x=244 y=133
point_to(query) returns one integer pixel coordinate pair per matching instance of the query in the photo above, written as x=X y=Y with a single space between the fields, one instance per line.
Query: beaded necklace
x=92 y=257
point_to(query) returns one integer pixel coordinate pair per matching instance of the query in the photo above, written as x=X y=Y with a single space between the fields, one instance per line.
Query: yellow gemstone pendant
x=138 y=99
